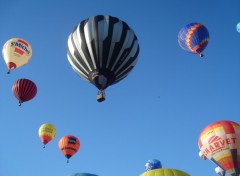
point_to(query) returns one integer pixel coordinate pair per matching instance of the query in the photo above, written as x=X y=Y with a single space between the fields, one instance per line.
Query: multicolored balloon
x=193 y=38
x=24 y=90
x=16 y=53
x=220 y=143
x=69 y=145
x=46 y=133
x=102 y=50
x=153 y=164
x=164 y=172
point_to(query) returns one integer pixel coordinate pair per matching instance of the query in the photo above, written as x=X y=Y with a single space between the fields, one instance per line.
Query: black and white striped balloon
x=102 y=50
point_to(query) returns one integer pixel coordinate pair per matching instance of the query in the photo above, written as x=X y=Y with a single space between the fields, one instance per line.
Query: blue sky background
x=158 y=111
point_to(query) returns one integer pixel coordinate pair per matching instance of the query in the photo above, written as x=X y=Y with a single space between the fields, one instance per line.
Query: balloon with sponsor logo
x=24 y=90
x=193 y=38
x=153 y=164
x=164 y=172
x=46 y=133
x=16 y=53
x=220 y=143
x=102 y=50
x=220 y=171
x=69 y=145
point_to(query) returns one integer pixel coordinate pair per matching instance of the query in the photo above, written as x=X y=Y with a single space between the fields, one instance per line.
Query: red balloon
x=24 y=90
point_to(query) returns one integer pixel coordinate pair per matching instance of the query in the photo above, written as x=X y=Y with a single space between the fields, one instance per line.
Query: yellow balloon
x=16 y=53
x=164 y=172
x=46 y=133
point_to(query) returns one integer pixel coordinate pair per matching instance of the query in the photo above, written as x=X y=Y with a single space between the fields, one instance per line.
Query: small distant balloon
x=46 y=133
x=24 y=90
x=238 y=27
x=153 y=164
x=16 y=53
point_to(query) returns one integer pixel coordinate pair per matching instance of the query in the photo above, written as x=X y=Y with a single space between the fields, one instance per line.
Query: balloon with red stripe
x=69 y=146
x=16 y=53
x=193 y=38
x=220 y=143
x=24 y=90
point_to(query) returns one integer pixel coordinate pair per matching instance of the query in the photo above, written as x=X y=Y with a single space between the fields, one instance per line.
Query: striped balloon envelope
x=165 y=172
x=102 y=50
x=24 y=90
x=16 y=53
x=220 y=143
x=193 y=38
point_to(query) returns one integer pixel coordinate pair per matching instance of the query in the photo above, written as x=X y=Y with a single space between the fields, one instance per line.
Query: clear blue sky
x=158 y=111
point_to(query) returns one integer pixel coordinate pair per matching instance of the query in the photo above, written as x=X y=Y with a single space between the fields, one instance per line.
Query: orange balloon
x=69 y=145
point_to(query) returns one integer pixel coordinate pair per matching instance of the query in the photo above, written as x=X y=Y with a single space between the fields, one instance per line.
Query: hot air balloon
x=102 y=50
x=220 y=171
x=164 y=172
x=46 y=133
x=24 y=90
x=82 y=174
x=16 y=53
x=193 y=38
x=153 y=164
x=69 y=145
x=220 y=143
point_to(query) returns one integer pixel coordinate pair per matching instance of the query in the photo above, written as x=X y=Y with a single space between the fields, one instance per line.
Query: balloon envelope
x=46 y=133
x=69 y=145
x=24 y=90
x=164 y=172
x=16 y=53
x=193 y=38
x=153 y=164
x=220 y=143
x=238 y=27
x=102 y=50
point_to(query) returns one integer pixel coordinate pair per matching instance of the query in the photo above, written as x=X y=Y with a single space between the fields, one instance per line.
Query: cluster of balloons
x=153 y=167
x=68 y=145
x=16 y=53
x=103 y=50
x=220 y=143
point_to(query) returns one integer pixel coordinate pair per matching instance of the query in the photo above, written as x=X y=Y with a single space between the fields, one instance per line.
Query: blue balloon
x=153 y=164
x=238 y=27
x=82 y=174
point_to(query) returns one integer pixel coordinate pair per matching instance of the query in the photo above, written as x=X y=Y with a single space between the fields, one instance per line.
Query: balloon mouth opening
x=11 y=66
